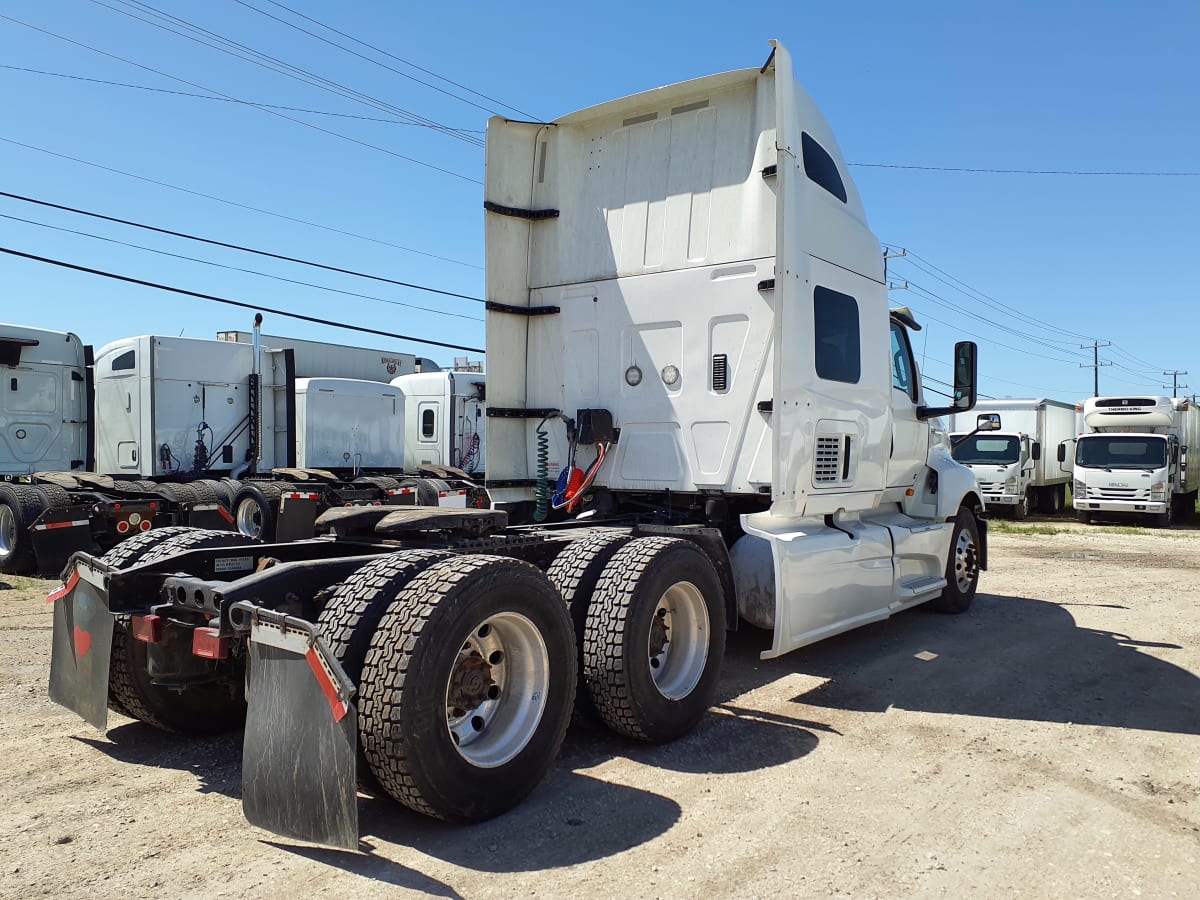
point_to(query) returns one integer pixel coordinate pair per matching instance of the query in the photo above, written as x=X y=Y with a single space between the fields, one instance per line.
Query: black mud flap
x=296 y=518
x=79 y=660
x=300 y=749
x=213 y=516
x=57 y=534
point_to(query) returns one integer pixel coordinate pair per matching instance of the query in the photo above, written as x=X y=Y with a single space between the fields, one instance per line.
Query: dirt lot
x=1044 y=744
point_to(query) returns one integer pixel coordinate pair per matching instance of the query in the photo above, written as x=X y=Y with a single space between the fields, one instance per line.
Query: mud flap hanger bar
x=297 y=636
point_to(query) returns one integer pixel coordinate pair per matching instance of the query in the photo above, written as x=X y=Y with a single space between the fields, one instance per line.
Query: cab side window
x=836 y=330
x=903 y=369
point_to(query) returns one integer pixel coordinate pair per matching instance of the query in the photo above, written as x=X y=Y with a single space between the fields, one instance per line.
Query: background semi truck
x=1018 y=465
x=1133 y=460
x=695 y=383
x=216 y=434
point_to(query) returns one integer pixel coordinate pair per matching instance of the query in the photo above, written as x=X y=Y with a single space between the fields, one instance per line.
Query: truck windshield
x=988 y=449
x=1121 y=451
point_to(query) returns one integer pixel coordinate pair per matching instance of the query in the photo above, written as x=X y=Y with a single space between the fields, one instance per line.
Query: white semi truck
x=1017 y=465
x=1133 y=459
x=694 y=381
x=214 y=433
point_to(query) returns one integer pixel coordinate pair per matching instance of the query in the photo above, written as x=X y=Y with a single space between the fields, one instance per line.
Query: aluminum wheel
x=678 y=641
x=8 y=530
x=497 y=690
x=250 y=518
x=966 y=561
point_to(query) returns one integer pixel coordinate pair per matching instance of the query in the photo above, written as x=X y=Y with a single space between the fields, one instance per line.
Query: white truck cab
x=1015 y=458
x=1133 y=460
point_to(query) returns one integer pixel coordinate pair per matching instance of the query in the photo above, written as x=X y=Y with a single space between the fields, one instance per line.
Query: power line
x=344 y=48
x=406 y=62
x=265 y=60
x=1025 y=171
x=270 y=112
x=937 y=298
x=962 y=286
x=228 y=202
x=214 y=299
x=229 y=246
x=209 y=262
x=301 y=109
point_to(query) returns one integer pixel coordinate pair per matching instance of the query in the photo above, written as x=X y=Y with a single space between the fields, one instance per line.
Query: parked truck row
x=698 y=392
x=159 y=431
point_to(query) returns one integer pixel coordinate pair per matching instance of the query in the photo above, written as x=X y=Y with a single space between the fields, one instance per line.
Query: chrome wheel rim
x=677 y=646
x=964 y=561
x=250 y=518
x=496 y=691
x=8 y=530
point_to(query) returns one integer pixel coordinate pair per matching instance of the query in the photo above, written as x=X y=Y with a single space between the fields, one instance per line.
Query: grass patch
x=19 y=582
x=999 y=526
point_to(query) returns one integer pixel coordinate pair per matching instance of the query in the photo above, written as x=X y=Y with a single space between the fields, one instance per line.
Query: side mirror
x=1036 y=450
x=964 y=384
x=1062 y=452
x=987 y=422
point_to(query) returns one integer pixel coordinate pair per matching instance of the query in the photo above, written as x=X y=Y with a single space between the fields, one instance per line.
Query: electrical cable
x=382 y=65
x=208 y=262
x=265 y=60
x=235 y=203
x=255 y=306
x=271 y=112
x=406 y=62
x=317 y=112
x=1025 y=171
x=229 y=246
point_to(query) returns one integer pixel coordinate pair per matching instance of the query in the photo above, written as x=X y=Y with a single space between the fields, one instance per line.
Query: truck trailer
x=1133 y=459
x=1018 y=466
x=697 y=390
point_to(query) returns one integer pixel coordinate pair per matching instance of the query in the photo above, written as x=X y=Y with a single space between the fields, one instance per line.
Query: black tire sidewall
x=953 y=600
x=455 y=787
x=661 y=718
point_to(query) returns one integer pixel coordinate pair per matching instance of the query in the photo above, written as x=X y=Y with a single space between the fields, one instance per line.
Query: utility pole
x=1175 y=385
x=889 y=253
x=1096 y=364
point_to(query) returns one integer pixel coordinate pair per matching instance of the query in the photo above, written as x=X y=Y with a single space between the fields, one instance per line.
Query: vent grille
x=720 y=372
x=827 y=468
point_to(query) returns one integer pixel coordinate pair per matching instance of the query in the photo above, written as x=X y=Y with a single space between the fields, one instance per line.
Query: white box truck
x=694 y=381
x=1133 y=459
x=1018 y=465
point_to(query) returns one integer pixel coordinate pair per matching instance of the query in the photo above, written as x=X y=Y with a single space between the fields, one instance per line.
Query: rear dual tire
x=467 y=688
x=206 y=708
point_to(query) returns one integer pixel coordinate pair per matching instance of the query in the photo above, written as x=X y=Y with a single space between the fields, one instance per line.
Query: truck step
x=919 y=587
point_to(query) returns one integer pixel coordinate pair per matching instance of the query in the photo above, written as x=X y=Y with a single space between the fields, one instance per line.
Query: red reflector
x=122 y=527
x=154 y=505
x=116 y=506
x=206 y=642
x=146 y=628
x=145 y=526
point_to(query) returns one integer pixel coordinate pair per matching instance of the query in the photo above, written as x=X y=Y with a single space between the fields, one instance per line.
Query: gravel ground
x=1043 y=744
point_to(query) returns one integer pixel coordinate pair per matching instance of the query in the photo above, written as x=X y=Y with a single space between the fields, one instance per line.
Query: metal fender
x=956 y=483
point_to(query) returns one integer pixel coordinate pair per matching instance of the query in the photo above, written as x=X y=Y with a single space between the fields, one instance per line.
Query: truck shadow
x=1015 y=658
x=1010 y=657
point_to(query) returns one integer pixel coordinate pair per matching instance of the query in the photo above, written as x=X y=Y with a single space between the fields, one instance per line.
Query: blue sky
x=1053 y=261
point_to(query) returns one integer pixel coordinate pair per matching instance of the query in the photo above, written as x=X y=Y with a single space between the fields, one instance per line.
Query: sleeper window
x=836 y=333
